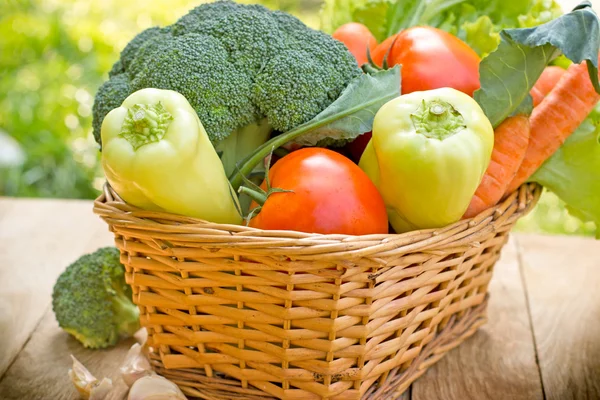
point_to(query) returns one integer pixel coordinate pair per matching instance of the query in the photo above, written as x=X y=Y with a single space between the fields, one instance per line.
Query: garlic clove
x=100 y=389
x=135 y=366
x=155 y=387
x=141 y=336
x=87 y=385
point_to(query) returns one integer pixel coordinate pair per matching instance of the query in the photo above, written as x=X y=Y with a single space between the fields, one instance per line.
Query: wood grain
x=498 y=362
x=40 y=370
x=562 y=277
x=38 y=239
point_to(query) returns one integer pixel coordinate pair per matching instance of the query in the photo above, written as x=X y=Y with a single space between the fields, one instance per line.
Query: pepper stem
x=145 y=123
x=437 y=119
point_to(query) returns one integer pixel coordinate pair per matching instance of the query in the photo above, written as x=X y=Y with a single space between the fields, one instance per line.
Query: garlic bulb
x=135 y=366
x=87 y=385
x=155 y=387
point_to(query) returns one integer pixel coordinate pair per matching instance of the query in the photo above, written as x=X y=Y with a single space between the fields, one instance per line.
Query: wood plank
x=38 y=239
x=40 y=370
x=498 y=362
x=562 y=277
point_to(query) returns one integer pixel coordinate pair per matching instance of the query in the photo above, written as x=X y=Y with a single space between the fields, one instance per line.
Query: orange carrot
x=556 y=118
x=548 y=79
x=537 y=96
x=545 y=83
x=510 y=144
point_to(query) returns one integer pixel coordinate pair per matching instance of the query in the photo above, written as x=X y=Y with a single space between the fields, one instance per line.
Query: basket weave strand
x=239 y=313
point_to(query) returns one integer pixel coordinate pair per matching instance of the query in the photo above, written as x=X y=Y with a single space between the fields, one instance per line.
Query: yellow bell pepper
x=157 y=156
x=427 y=156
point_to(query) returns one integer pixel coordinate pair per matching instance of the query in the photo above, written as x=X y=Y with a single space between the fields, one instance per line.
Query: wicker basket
x=238 y=313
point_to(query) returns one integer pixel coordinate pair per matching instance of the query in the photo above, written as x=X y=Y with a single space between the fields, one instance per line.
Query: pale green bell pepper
x=157 y=156
x=427 y=156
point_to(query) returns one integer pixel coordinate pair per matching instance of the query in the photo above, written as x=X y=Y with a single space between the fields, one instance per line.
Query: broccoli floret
x=92 y=302
x=197 y=66
x=245 y=69
x=110 y=95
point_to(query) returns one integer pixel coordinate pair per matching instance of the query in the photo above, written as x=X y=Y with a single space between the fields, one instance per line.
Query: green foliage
x=92 y=301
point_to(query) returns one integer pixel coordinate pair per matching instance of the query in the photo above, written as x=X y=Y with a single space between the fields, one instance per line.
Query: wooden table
x=542 y=339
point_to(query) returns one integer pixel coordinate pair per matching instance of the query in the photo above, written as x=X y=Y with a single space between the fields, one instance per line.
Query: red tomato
x=356 y=147
x=330 y=194
x=431 y=59
x=357 y=38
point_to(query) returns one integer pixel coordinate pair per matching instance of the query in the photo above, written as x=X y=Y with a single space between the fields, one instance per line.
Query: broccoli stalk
x=92 y=301
x=242 y=142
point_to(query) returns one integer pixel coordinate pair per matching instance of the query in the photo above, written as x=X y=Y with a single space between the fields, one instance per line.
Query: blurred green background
x=53 y=56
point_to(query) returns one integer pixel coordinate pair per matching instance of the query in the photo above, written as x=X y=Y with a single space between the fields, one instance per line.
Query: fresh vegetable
x=92 y=302
x=573 y=172
x=430 y=59
x=346 y=118
x=155 y=387
x=356 y=148
x=477 y=22
x=536 y=96
x=357 y=38
x=508 y=74
x=135 y=366
x=325 y=193
x=427 y=156
x=157 y=156
x=547 y=80
x=87 y=385
x=557 y=117
x=245 y=70
x=510 y=144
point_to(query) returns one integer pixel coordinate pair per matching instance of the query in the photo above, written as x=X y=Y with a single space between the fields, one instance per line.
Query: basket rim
x=131 y=221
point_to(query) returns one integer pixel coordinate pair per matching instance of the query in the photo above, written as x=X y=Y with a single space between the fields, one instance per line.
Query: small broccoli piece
x=110 y=95
x=92 y=302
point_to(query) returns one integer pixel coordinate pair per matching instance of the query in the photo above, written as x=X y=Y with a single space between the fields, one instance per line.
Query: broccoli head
x=110 y=95
x=92 y=302
x=238 y=66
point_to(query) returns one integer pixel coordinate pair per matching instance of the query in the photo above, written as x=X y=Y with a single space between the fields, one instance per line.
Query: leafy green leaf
x=353 y=112
x=542 y=11
x=525 y=108
x=346 y=118
x=508 y=74
x=335 y=13
x=573 y=172
x=374 y=15
x=481 y=35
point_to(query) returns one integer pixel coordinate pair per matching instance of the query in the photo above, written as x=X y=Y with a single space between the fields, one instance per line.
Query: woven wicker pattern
x=239 y=313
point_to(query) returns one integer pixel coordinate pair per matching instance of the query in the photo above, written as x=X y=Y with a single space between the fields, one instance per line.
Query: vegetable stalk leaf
x=508 y=74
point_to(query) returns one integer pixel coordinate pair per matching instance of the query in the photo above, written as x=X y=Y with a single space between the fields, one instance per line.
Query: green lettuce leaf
x=573 y=172
x=508 y=74
x=481 y=35
x=542 y=11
